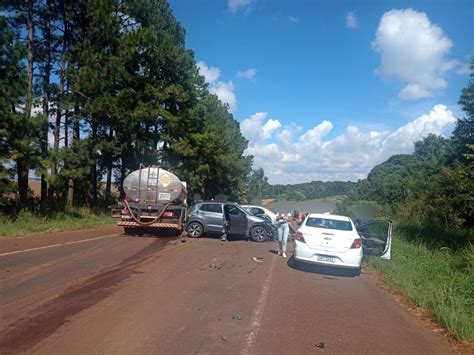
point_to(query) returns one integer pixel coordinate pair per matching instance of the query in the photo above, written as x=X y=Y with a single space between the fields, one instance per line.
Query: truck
x=155 y=199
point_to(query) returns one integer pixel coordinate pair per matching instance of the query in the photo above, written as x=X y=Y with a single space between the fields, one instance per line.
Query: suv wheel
x=258 y=234
x=194 y=229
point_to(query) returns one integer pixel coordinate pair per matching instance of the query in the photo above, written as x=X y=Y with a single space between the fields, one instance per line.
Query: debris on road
x=213 y=266
x=258 y=259
x=223 y=338
x=236 y=317
x=320 y=345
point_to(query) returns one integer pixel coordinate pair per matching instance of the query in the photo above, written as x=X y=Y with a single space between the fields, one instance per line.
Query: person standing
x=226 y=224
x=283 y=231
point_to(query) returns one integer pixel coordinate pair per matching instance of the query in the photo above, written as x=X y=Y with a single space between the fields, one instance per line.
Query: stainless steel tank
x=153 y=185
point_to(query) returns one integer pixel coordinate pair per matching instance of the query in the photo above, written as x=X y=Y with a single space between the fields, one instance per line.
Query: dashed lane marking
x=257 y=314
x=58 y=245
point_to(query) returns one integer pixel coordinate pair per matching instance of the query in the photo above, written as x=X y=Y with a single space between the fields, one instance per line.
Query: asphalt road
x=96 y=291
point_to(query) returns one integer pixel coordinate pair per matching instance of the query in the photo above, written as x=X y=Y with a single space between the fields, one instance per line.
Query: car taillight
x=299 y=237
x=125 y=211
x=168 y=214
x=356 y=244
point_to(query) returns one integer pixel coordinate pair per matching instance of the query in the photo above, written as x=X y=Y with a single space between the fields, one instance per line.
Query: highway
x=98 y=291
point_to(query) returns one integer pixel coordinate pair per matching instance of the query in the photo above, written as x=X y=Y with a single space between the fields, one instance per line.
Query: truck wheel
x=194 y=229
x=258 y=234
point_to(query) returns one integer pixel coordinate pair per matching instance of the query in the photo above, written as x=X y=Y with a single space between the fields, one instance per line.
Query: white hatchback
x=259 y=211
x=335 y=241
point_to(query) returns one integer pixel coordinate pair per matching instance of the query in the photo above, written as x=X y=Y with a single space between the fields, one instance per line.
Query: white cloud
x=351 y=21
x=414 y=51
x=254 y=129
x=292 y=19
x=210 y=74
x=225 y=91
x=236 y=5
x=289 y=158
x=247 y=74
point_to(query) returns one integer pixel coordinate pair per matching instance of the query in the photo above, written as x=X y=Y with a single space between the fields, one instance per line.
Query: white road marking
x=58 y=245
x=257 y=314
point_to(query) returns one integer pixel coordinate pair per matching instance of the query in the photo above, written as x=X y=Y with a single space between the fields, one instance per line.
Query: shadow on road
x=152 y=233
x=321 y=269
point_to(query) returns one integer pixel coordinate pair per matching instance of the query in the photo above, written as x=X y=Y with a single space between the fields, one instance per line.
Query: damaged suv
x=208 y=218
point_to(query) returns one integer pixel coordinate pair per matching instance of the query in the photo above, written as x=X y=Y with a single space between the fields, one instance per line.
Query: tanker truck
x=154 y=199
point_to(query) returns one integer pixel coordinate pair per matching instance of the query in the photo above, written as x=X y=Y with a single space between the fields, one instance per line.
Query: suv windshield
x=329 y=224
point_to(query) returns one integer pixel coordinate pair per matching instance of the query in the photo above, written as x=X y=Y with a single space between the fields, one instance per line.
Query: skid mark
x=47 y=318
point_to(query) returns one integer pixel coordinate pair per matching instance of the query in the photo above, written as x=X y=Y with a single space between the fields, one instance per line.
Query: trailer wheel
x=195 y=229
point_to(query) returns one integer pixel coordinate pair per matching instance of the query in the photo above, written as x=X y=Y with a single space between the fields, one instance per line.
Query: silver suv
x=208 y=218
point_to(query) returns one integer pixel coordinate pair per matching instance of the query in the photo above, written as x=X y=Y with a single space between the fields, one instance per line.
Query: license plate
x=330 y=259
x=163 y=196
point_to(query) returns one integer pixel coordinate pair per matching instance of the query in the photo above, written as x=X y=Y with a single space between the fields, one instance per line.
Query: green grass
x=28 y=223
x=437 y=278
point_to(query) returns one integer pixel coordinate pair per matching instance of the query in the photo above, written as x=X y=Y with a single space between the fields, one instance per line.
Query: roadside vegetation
x=26 y=222
x=434 y=276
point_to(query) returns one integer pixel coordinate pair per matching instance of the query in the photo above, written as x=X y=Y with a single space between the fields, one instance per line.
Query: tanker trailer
x=154 y=199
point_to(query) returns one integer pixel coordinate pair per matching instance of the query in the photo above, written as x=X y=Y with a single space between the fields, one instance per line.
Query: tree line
x=89 y=89
x=259 y=188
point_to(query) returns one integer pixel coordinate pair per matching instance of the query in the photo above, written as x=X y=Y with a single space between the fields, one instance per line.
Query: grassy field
x=438 y=278
x=27 y=223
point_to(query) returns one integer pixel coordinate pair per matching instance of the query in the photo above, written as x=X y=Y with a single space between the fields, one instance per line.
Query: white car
x=334 y=240
x=259 y=210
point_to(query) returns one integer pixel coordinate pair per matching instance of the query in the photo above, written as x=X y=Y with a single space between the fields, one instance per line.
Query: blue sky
x=325 y=90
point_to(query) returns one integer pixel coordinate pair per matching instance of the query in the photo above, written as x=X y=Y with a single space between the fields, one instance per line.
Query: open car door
x=238 y=220
x=376 y=238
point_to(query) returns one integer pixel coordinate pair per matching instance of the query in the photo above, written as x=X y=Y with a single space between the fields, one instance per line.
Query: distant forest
x=309 y=190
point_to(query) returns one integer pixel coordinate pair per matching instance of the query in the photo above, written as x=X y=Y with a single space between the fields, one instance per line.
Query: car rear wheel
x=195 y=229
x=258 y=234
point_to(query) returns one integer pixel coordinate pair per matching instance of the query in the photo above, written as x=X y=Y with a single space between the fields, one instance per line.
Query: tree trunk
x=22 y=166
x=75 y=138
x=57 y=126
x=22 y=172
x=66 y=128
x=46 y=91
x=70 y=194
x=203 y=190
x=30 y=28
x=93 y=170
x=122 y=176
x=108 y=185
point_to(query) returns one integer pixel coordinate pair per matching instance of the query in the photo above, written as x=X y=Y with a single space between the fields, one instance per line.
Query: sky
x=327 y=89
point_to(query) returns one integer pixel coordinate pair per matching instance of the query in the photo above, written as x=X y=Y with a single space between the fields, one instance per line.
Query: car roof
x=329 y=216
